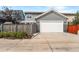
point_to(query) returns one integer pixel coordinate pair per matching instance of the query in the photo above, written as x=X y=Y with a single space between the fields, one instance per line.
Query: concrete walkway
x=43 y=42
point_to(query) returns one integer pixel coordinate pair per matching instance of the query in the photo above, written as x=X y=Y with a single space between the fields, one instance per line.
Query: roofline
x=50 y=11
x=68 y=13
x=33 y=12
x=39 y=12
x=44 y=12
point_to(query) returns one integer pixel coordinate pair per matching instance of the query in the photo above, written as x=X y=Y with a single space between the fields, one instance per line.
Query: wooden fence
x=29 y=28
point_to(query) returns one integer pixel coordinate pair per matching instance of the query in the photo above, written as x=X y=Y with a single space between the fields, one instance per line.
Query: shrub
x=21 y=35
x=13 y=34
x=18 y=35
x=5 y=34
x=1 y=34
x=29 y=36
x=74 y=22
x=70 y=23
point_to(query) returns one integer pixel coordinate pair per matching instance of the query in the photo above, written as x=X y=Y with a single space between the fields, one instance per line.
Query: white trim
x=50 y=11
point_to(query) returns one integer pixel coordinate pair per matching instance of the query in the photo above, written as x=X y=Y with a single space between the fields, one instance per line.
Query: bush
x=1 y=34
x=74 y=22
x=70 y=23
x=5 y=34
x=12 y=34
x=18 y=35
x=29 y=36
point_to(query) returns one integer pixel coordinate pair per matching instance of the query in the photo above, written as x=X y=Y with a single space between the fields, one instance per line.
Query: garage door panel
x=51 y=26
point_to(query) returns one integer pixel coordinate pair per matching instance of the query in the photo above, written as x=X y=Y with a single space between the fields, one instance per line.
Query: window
x=29 y=16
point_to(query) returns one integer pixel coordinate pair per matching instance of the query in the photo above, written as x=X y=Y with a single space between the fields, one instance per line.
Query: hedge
x=14 y=35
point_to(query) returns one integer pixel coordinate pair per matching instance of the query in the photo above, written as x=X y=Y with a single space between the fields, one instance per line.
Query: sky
x=62 y=9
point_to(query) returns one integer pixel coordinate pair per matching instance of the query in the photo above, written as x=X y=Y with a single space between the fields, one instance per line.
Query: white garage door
x=51 y=26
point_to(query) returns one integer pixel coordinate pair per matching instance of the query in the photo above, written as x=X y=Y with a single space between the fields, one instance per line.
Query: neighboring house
x=70 y=16
x=30 y=16
x=18 y=15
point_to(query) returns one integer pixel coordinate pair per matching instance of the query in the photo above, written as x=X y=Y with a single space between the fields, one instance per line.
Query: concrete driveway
x=42 y=42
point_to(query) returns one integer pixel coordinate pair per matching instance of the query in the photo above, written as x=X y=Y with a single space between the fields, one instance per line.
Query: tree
x=7 y=13
x=14 y=16
x=76 y=21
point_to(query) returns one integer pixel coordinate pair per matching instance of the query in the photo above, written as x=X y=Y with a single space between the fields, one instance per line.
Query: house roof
x=34 y=12
x=43 y=14
x=69 y=14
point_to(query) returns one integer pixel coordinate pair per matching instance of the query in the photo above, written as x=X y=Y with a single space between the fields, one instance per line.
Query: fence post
x=1 y=27
x=16 y=27
x=30 y=28
x=67 y=26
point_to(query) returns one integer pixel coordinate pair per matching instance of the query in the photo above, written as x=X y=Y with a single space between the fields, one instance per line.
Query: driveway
x=60 y=41
x=42 y=42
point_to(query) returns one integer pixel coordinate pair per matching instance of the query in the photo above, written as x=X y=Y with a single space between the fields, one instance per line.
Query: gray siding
x=51 y=16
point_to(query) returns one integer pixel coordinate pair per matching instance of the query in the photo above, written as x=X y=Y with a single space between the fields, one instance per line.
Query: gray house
x=50 y=21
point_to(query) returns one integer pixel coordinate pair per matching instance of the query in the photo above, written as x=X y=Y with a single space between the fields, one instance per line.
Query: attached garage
x=51 y=21
x=51 y=26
